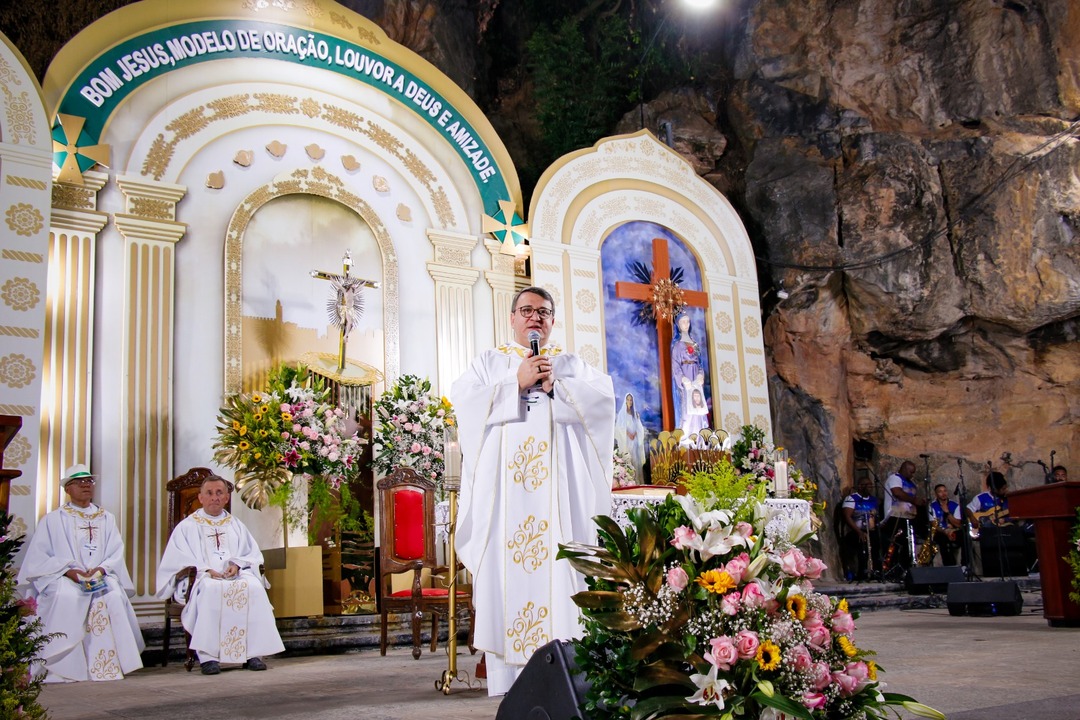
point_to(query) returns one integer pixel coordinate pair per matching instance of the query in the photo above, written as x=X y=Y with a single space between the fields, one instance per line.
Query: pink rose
x=407 y=427
x=813 y=700
x=724 y=654
x=820 y=638
x=752 y=596
x=814 y=568
x=729 y=604
x=800 y=659
x=27 y=606
x=793 y=562
x=813 y=620
x=744 y=529
x=415 y=448
x=859 y=671
x=296 y=427
x=746 y=642
x=843 y=623
x=737 y=566
x=848 y=685
x=285 y=407
x=684 y=537
x=426 y=450
x=284 y=435
x=820 y=677
x=677 y=579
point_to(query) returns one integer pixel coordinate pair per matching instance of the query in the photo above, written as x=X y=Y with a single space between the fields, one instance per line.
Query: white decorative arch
x=25 y=195
x=585 y=195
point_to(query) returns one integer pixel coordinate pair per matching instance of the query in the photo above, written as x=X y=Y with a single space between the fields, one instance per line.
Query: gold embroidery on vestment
x=105 y=666
x=530 y=472
x=530 y=550
x=234 y=644
x=526 y=631
x=236 y=595
x=97 y=621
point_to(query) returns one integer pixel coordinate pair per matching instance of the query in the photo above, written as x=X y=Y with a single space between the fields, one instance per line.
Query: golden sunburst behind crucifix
x=72 y=151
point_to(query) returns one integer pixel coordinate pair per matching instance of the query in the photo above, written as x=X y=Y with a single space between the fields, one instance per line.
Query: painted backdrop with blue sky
x=632 y=357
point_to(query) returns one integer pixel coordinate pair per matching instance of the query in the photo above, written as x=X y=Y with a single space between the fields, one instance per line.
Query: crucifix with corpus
x=346 y=306
x=667 y=300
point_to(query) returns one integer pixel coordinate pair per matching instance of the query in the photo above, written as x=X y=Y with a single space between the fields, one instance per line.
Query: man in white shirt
x=74 y=567
x=229 y=616
x=901 y=503
x=537 y=428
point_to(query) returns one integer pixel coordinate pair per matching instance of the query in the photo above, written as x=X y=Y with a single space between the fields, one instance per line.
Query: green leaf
x=783 y=704
x=598 y=600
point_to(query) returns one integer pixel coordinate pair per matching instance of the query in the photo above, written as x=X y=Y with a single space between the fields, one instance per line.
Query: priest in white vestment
x=229 y=616
x=74 y=568
x=536 y=435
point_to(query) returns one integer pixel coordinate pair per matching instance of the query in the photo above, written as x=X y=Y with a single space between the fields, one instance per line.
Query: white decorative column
x=151 y=232
x=454 y=279
x=506 y=278
x=69 y=333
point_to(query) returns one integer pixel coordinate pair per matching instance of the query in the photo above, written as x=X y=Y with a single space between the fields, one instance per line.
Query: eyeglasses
x=84 y=482
x=543 y=313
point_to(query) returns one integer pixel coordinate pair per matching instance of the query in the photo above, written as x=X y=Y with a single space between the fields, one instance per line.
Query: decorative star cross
x=72 y=151
x=507 y=227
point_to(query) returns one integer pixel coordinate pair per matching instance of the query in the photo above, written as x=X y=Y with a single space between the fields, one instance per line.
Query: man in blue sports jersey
x=859 y=512
x=947 y=514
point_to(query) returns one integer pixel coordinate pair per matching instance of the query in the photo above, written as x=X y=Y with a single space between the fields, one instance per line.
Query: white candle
x=452 y=458
x=780 y=479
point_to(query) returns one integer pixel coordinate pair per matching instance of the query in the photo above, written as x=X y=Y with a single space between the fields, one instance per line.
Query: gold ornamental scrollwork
x=528 y=546
x=236 y=595
x=530 y=471
x=526 y=631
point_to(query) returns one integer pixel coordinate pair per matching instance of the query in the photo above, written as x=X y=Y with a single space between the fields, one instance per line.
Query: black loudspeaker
x=1002 y=556
x=999 y=597
x=548 y=688
x=926 y=580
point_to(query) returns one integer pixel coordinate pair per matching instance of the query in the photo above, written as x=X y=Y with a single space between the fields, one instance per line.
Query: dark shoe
x=255 y=664
x=210 y=667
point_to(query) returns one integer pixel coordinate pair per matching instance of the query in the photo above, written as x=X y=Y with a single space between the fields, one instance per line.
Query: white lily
x=710 y=689
x=699 y=516
x=720 y=540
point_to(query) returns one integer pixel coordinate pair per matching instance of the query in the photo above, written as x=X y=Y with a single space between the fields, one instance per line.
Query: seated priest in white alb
x=229 y=616
x=74 y=568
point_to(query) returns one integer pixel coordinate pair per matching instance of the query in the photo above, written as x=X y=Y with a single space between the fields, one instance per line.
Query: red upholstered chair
x=183 y=494
x=407 y=544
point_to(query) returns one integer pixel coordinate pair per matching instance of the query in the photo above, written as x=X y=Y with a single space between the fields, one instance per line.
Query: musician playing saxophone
x=902 y=514
x=947 y=514
x=990 y=507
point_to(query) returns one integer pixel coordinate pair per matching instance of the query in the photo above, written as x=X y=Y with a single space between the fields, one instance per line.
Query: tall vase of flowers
x=410 y=424
x=702 y=608
x=287 y=435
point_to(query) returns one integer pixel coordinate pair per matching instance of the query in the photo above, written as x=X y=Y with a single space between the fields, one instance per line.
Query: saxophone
x=929 y=548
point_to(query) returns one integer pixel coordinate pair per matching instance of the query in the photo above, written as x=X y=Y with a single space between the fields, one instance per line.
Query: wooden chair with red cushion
x=407 y=544
x=183 y=500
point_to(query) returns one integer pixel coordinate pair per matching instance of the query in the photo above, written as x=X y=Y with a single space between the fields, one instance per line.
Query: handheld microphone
x=534 y=342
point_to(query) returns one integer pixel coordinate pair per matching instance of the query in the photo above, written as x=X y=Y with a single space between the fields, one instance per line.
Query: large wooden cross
x=667 y=299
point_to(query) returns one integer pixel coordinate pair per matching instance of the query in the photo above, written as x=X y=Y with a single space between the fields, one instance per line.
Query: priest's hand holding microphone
x=536 y=369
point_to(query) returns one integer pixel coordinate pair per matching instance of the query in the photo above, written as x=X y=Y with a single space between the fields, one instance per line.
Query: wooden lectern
x=1053 y=509
x=9 y=428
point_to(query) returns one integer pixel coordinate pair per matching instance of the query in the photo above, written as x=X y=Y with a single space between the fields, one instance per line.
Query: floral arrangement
x=752 y=455
x=21 y=639
x=1073 y=559
x=701 y=612
x=411 y=423
x=622 y=471
x=290 y=430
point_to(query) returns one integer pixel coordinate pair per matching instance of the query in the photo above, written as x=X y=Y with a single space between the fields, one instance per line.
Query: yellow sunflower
x=286 y=417
x=716 y=581
x=235 y=424
x=768 y=655
x=244 y=445
x=243 y=430
x=796 y=605
x=847 y=646
x=842 y=606
x=871 y=670
x=256 y=398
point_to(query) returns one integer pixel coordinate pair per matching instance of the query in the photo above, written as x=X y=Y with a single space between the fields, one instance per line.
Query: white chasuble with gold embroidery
x=229 y=620
x=101 y=638
x=535 y=471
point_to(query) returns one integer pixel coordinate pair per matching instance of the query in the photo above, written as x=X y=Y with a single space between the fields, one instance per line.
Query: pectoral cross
x=347 y=305
x=89 y=531
x=217 y=535
x=667 y=300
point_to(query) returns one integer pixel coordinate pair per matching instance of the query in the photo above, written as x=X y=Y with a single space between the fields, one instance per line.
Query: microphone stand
x=1000 y=529
x=966 y=549
x=880 y=574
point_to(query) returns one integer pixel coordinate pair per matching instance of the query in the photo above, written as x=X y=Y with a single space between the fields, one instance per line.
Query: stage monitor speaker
x=548 y=688
x=997 y=597
x=926 y=580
